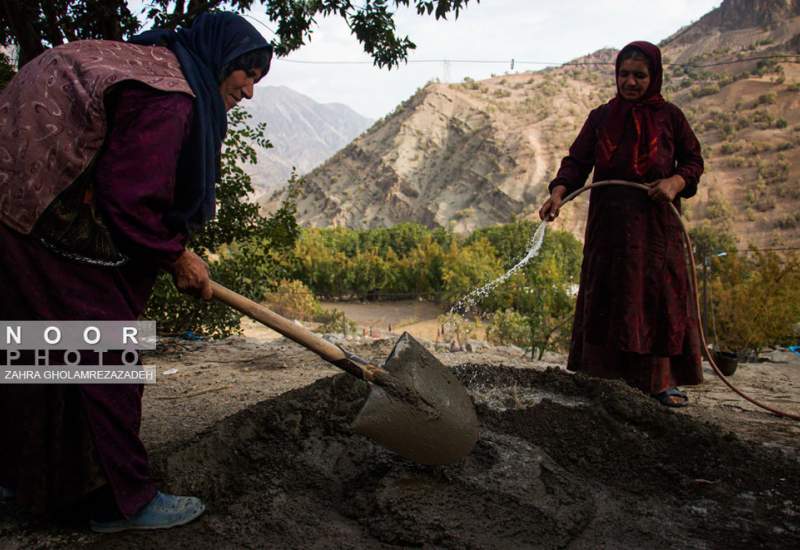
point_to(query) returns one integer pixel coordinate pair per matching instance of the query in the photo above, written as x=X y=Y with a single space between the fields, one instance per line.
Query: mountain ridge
x=479 y=153
x=303 y=133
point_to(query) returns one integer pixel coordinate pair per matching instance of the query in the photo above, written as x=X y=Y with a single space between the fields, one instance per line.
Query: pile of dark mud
x=562 y=461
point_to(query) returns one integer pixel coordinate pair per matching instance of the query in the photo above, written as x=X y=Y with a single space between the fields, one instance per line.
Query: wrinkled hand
x=665 y=190
x=551 y=207
x=190 y=274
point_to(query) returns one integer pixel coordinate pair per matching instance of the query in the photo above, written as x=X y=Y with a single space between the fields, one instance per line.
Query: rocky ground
x=259 y=428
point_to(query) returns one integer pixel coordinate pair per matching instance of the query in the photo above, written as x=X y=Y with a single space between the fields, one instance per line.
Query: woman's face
x=633 y=79
x=237 y=85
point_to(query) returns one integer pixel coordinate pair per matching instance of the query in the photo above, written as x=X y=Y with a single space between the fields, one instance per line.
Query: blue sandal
x=673 y=397
x=163 y=512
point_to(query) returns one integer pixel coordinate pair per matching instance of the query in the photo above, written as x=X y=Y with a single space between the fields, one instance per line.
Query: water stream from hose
x=468 y=302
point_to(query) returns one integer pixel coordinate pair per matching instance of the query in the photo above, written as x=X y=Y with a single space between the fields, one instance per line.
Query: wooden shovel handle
x=349 y=363
x=290 y=329
x=330 y=352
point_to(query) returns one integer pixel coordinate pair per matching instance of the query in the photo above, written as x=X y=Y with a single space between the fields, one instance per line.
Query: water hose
x=692 y=272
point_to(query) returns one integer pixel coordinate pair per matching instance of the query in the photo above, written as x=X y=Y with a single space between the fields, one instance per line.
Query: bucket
x=726 y=361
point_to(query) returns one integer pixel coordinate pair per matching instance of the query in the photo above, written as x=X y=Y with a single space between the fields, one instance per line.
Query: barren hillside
x=478 y=153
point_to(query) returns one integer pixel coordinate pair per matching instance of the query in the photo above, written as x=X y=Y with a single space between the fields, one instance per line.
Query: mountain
x=479 y=153
x=303 y=133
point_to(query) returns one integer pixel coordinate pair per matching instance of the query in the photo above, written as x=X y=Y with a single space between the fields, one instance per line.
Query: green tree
x=542 y=293
x=369 y=273
x=34 y=25
x=510 y=241
x=421 y=271
x=320 y=265
x=469 y=267
x=710 y=240
x=251 y=267
x=236 y=217
x=253 y=252
x=293 y=299
x=507 y=326
x=756 y=300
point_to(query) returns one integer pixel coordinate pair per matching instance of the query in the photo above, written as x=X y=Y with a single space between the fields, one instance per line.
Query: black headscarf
x=212 y=42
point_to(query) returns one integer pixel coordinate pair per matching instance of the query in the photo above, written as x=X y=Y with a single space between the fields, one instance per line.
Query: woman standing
x=634 y=317
x=110 y=158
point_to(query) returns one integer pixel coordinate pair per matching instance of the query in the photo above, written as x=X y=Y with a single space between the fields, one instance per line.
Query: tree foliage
x=542 y=294
x=250 y=253
x=35 y=25
x=294 y=300
x=469 y=267
x=709 y=241
x=756 y=299
x=533 y=309
x=38 y=24
x=236 y=218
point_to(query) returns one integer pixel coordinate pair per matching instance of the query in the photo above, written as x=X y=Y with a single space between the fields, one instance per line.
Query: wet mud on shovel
x=416 y=407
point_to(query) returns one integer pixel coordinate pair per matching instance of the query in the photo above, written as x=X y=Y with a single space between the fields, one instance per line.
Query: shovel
x=415 y=407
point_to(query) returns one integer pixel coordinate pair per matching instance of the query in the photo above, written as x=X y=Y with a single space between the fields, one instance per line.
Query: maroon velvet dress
x=634 y=319
x=60 y=442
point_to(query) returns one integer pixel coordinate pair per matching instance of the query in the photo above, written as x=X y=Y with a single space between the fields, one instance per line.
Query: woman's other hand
x=551 y=207
x=190 y=274
x=665 y=190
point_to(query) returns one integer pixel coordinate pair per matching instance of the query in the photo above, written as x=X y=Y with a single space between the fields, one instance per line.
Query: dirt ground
x=259 y=428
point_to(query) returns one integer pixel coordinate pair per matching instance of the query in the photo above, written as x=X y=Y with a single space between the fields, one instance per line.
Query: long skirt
x=634 y=316
x=62 y=443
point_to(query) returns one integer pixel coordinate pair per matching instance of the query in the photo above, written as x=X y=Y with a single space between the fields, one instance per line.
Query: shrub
x=761 y=118
x=756 y=300
x=457 y=327
x=702 y=90
x=735 y=162
x=765 y=202
x=294 y=300
x=470 y=84
x=766 y=66
x=777 y=170
x=766 y=99
x=335 y=321
x=790 y=221
x=717 y=209
x=508 y=327
x=729 y=148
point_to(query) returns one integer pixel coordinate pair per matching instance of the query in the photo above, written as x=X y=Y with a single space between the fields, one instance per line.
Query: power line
x=768 y=249
x=786 y=58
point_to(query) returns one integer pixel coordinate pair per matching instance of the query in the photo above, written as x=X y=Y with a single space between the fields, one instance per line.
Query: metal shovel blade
x=442 y=432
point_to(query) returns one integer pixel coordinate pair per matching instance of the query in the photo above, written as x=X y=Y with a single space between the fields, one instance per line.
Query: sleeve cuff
x=690 y=189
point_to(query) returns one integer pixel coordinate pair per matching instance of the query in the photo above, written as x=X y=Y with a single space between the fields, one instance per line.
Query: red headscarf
x=641 y=112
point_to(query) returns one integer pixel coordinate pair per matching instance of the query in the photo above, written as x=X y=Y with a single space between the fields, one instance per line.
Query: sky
x=493 y=30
